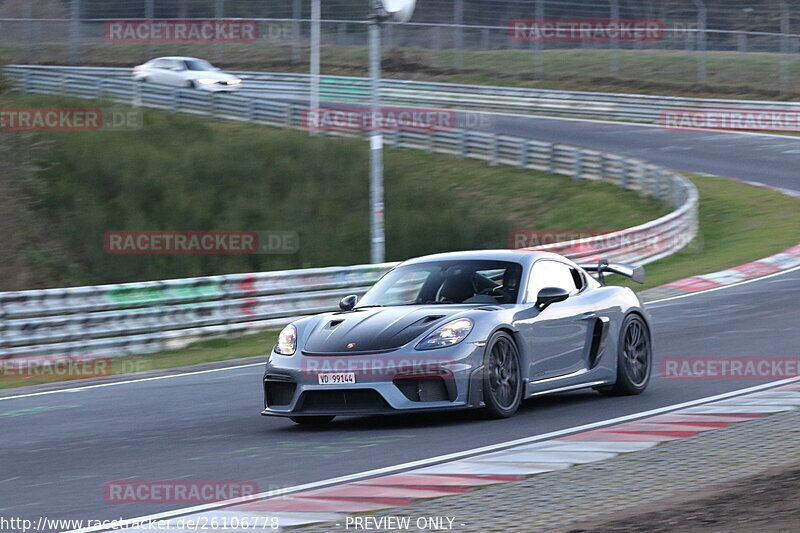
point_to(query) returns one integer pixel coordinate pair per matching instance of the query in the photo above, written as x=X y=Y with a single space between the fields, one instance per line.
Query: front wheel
x=502 y=376
x=312 y=420
x=634 y=358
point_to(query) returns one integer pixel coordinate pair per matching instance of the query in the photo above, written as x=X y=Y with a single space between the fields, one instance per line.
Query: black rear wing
x=636 y=273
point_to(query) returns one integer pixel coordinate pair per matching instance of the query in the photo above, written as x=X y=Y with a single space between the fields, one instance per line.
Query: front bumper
x=219 y=87
x=393 y=382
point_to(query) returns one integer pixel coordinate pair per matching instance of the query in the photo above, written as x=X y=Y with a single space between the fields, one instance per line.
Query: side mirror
x=348 y=302
x=550 y=295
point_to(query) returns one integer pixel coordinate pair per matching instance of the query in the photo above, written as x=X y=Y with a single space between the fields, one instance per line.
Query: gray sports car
x=464 y=330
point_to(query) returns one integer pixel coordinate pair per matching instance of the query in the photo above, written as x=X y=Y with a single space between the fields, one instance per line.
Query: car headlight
x=287 y=341
x=236 y=81
x=207 y=81
x=451 y=333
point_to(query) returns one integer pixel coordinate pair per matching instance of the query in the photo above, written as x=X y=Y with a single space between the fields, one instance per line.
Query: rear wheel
x=502 y=376
x=312 y=420
x=634 y=358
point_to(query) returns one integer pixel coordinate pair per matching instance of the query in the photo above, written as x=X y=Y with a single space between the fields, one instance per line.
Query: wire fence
x=730 y=43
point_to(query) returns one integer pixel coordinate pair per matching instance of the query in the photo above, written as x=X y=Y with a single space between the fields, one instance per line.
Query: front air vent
x=334 y=323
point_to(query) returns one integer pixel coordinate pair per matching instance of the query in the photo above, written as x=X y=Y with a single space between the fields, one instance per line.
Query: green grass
x=739 y=223
x=186 y=173
x=674 y=72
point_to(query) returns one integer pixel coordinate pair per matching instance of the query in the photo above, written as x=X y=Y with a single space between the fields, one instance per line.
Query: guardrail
x=149 y=317
x=491 y=99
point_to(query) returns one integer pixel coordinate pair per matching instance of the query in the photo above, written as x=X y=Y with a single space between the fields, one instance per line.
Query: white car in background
x=186 y=72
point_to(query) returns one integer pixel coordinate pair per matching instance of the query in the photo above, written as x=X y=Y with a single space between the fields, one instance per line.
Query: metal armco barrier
x=148 y=317
x=490 y=99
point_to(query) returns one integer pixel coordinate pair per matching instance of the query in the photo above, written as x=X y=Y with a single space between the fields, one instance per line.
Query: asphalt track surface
x=57 y=450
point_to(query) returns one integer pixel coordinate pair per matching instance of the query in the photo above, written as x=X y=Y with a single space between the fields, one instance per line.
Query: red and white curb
x=763 y=267
x=332 y=504
x=785 y=260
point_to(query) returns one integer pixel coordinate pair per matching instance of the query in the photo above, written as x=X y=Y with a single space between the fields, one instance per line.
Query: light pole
x=382 y=10
x=315 y=53
x=377 y=234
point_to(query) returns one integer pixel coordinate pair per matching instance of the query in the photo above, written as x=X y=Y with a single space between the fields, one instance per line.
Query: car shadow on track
x=529 y=410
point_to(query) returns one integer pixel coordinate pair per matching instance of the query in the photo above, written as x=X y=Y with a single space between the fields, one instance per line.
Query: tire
x=502 y=376
x=634 y=358
x=316 y=421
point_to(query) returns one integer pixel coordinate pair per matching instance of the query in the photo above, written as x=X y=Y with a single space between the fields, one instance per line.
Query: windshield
x=447 y=282
x=198 y=64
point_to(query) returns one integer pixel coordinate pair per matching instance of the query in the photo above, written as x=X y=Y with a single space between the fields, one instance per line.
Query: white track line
x=434 y=460
x=140 y=380
x=738 y=283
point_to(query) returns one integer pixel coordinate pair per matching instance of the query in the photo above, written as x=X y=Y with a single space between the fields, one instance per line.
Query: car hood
x=373 y=330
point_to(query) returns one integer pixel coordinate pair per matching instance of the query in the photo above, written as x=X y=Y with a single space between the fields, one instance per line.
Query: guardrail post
x=25 y=81
x=524 y=154
x=288 y=116
x=657 y=178
x=462 y=144
x=673 y=192
x=623 y=173
x=251 y=112
x=395 y=138
x=577 y=166
x=493 y=156
x=136 y=96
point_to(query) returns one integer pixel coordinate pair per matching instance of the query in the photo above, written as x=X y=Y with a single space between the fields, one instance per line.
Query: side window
x=546 y=273
x=406 y=290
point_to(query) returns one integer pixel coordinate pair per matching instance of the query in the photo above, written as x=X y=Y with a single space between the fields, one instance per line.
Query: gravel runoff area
x=744 y=477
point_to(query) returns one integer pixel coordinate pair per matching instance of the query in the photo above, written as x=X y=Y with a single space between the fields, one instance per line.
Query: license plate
x=339 y=378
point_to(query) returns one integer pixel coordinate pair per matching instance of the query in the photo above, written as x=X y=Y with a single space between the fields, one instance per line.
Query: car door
x=556 y=337
x=176 y=73
x=156 y=72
